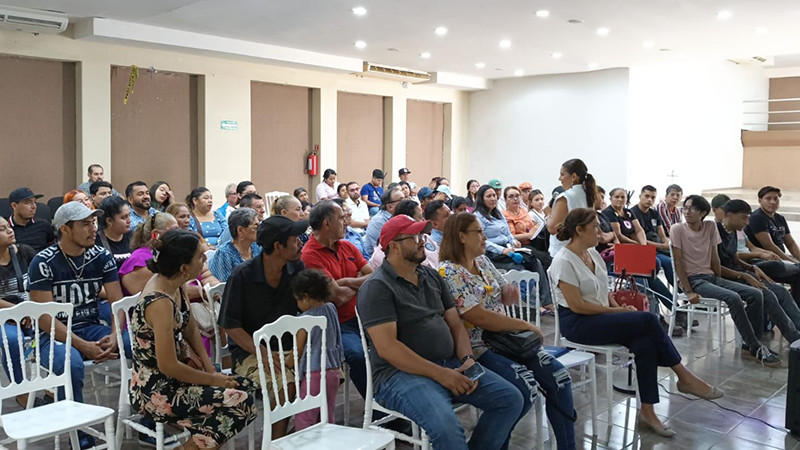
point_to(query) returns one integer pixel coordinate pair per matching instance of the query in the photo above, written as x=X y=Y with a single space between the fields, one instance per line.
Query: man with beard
x=257 y=293
x=74 y=270
x=139 y=198
x=327 y=250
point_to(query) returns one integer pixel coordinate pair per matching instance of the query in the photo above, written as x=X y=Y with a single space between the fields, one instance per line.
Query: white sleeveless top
x=576 y=198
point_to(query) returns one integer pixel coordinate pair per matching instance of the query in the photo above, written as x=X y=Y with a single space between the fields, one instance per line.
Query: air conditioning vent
x=395 y=73
x=32 y=20
x=753 y=61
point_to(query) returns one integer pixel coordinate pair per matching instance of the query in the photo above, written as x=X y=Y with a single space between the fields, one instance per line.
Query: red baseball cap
x=525 y=185
x=401 y=224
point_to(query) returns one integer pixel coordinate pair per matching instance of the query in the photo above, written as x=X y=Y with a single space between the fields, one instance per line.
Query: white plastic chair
x=126 y=419
x=322 y=435
x=213 y=295
x=607 y=350
x=210 y=254
x=62 y=416
x=531 y=279
x=711 y=307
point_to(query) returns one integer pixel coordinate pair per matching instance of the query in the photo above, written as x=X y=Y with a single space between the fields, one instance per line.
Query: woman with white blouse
x=588 y=315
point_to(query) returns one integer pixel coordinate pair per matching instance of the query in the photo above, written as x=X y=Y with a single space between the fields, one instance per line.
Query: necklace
x=72 y=266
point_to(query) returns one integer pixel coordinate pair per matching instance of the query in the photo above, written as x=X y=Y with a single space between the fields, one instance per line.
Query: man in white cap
x=74 y=270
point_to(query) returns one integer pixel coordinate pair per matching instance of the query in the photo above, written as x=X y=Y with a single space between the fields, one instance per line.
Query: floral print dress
x=212 y=414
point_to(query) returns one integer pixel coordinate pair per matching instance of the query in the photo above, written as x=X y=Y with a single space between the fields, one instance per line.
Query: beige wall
x=360 y=137
x=37 y=126
x=783 y=88
x=224 y=84
x=425 y=141
x=767 y=155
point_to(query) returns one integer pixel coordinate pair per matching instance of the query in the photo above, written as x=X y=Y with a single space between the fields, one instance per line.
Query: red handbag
x=631 y=295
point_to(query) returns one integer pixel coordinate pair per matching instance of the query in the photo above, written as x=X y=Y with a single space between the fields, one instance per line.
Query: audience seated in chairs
x=588 y=315
x=419 y=348
x=181 y=385
x=242 y=223
x=669 y=209
x=161 y=195
x=29 y=231
x=480 y=293
x=115 y=228
x=208 y=223
x=73 y=271
x=501 y=245
x=411 y=209
x=522 y=226
x=697 y=266
x=263 y=280
x=778 y=303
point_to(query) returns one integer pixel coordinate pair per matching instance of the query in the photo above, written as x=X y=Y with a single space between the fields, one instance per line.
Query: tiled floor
x=750 y=389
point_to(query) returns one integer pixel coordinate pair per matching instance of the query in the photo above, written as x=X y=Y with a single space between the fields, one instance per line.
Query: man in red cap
x=420 y=348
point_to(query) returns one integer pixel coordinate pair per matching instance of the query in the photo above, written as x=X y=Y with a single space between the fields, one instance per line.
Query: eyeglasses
x=416 y=237
x=479 y=231
x=513 y=196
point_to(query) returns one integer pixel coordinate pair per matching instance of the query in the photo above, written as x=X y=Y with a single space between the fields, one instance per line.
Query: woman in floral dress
x=173 y=379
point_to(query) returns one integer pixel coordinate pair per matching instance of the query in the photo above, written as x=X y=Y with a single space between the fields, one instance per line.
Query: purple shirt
x=138 y=258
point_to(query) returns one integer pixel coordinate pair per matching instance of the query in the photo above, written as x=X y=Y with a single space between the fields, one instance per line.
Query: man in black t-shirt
x=653 y=226
x=778 y=303
x=768 y=229
x=29 y=231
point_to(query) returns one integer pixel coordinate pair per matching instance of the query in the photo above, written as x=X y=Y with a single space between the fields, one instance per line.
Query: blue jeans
x=745 y=303
x=373 y=210
x=354 y=355
x=430 y=405
x=13 y=350
x=640 y=331
x=554 y=379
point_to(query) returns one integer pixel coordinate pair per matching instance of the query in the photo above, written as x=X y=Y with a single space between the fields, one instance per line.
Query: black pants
x=781 y=272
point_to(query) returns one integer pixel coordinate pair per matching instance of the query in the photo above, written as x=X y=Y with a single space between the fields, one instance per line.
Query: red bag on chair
x=631 y=295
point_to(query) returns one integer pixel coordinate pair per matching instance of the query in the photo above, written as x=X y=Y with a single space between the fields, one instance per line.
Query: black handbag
x=518 y=346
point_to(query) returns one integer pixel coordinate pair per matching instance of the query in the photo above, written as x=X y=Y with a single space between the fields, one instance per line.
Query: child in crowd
x=311 y=289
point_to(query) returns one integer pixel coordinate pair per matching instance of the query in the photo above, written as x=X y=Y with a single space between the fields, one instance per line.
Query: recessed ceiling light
x=480 y=65
x=557 y=55
x=592 y=65
x=425 y=55
x=542 y=13
x=648 y=44
x=762 y=30
x=519 y=73
x=603 y=31
x=361 y=44
x=440 y=31
x=724 y=15
x=360 y=11
x=575 y=21
x=505 y=43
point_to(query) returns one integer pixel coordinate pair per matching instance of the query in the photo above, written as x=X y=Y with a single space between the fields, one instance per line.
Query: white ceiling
x=688 y=28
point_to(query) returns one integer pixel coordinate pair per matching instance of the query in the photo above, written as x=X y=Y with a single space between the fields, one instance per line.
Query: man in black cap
x=403 y=174
x=257 y=293
x=26 y=229
x=371 y=192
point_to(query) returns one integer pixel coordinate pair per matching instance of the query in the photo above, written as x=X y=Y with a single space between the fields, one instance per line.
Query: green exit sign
x=230 y=125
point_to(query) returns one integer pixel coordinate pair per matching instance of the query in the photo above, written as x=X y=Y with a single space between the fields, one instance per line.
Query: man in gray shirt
x=420 y=348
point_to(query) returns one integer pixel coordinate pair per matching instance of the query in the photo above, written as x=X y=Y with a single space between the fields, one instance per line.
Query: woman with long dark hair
x=161 y=195
x=580 y=191
x=115 y=228
x=208 y=223
x=472 y=191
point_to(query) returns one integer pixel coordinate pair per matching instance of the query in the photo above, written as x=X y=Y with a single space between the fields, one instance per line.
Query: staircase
x=790 y=200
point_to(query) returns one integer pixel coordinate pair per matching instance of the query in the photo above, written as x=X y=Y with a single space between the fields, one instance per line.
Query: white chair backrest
x=281 y=410
x=210 y=254
x=122 y=310
x=517 y=277
x=214 y=295
x=35 y=381
x=369 y=394
x=557 y=334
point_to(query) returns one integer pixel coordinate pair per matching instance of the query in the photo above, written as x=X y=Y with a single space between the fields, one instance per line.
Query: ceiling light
x=543 y=13
x=360 y=11
x=425 y=55
x=440 y=31
x=724 y=15
x=648 y=44
x=557 y=55
x=761 y=30
x=592 y=65
x=603 y=31
x=505 y=43
x=519 y=73
x=480 y=65
x=361 y=44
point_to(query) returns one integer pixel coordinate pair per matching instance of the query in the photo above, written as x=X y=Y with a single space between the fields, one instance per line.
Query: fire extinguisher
x=311 y=163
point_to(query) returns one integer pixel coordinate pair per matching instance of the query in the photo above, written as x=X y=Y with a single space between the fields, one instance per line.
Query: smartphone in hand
x=474 y=372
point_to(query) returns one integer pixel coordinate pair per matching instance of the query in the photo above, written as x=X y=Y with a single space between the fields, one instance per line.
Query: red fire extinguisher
x=311 y=164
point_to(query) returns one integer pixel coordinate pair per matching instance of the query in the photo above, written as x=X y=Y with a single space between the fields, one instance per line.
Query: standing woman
x=115 y=228
x=480 y=292
x=580 y=190
x=589 y=315
x=173 y=378
x=472 y=191
x=161 y=195
x=209 y=223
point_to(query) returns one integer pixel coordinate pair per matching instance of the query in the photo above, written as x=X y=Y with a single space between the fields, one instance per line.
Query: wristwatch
x=465 y=358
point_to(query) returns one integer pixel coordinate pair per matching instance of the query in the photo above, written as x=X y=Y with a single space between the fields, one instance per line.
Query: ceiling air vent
x=395 y=73
x=32 y=20
x=753 y=61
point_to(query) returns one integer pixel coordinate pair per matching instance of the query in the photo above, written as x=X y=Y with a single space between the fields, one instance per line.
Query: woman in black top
x=623 y=222
x=115 y=228
x=472 y=191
